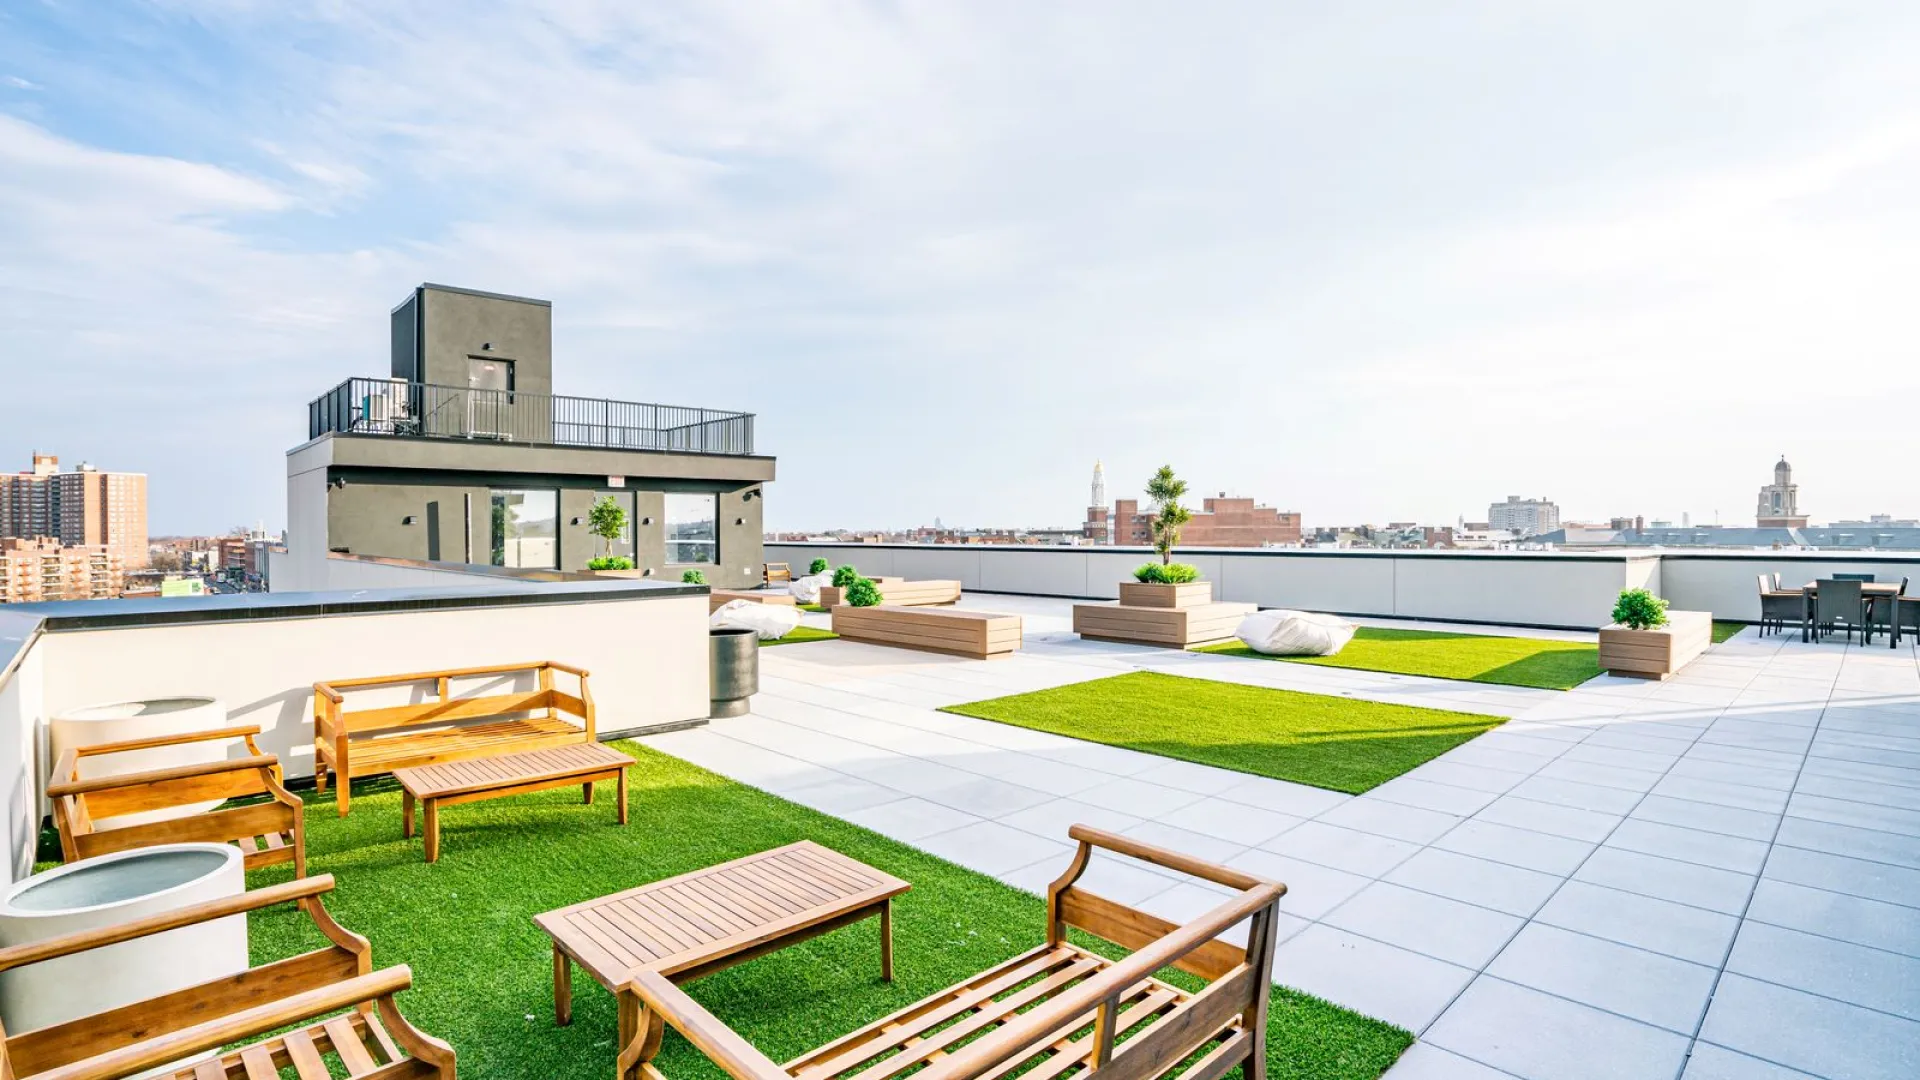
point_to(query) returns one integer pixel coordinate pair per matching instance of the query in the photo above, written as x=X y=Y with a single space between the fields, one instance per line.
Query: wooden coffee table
x=695 y=924
x=474 y=779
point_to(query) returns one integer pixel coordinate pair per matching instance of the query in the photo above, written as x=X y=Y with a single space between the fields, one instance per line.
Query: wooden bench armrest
x=80 y=941
x=238 y=731
x=377 y=986
x=1088 y=836
x=324 y=690
x=720 y=1043
x=568 y=668
x=60 y=788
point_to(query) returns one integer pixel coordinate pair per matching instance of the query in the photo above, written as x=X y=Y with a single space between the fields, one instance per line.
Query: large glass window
x=693 y=528
x=525 y=529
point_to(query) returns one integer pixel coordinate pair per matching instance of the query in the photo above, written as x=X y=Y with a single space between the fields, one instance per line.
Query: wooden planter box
x=1157 y=595
x=979 y=634
x=1178 y=628
x=899 y=592
x=1656 y=654
x=721 y=597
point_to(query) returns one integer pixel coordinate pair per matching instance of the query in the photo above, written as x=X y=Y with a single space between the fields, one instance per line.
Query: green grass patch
x=1724 y=630
x=1508 y=661
x=814 y=608
x=1338 y=743
x=483 y=973
x=804 y=633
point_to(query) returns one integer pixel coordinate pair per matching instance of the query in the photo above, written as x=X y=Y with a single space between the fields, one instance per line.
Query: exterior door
x=489 y=397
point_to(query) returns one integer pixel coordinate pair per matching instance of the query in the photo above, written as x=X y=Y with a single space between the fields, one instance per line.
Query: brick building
x=80 y=508
x=1220 y=522
x=44 y=569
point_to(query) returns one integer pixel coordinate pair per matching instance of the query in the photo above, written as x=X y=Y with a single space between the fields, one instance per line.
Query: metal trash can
x=733 y=667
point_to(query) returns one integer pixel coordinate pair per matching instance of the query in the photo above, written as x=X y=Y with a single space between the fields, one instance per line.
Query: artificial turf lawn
x=815 y=608
x=1338 y=743
x=1724 y=630
x=803 y=633
x=1509 y=661
x=483 y=974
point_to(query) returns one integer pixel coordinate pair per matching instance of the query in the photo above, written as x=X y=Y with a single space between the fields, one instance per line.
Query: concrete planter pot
x=107 y=890
x=1156 y=594
x=1657 y=652
x=733 y=666
x=123 y=720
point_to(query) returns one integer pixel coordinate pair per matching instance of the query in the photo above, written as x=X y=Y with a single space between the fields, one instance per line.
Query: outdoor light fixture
x=750 y=493
x=646 y=521
x=409 y=520
x=739 y=521
x=574 y=521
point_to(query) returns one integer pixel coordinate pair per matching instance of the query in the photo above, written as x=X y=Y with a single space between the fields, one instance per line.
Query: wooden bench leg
x=562 y=987
x=621 y=780
x=587 y=790
x=433 y=830
x=319 y=774
x=406 y=814
x=886 y=940
x=343 y=794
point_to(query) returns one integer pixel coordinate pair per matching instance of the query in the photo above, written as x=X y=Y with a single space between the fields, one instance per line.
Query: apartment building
x=464 y=454
x=1220 y=522
x=83 y=508
x=1524 y=517
x=45 y=569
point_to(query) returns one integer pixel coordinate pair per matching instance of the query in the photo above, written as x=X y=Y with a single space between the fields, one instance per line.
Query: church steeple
x=1779 y=506
x=1099 y=485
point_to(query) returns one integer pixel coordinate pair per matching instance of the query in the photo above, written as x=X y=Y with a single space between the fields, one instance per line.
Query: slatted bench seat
x=376 y=741
x=269 y=832
x=982 y=635
x=1056 y=1011
x=201 y=1024
x=776 y=573
x=721 y=597
x=899 y=592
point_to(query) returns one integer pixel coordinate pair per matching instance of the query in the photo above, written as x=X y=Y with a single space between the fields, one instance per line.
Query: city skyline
x=1510 y=263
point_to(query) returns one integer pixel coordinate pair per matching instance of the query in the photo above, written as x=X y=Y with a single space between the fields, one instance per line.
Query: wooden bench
x=376 y=741
x=776 y=572
x=899 y=592
x=721 y=597
x=477 y=779
x=1171 y=627
x=1057 y=1010
x=341 y=1007
x=270 y=832
x=982 y=635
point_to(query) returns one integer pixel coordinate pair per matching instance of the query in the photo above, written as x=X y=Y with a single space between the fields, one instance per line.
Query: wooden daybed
x=1047 y=1012
x=982 y=635
x=721 y=597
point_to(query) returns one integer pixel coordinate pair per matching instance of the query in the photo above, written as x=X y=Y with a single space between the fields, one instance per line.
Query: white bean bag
x=1295 y=633
x=807 y=589
x=771 y=621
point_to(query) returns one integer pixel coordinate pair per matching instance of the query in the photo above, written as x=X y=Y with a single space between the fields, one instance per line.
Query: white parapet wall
x=1563 y=590
x=645 y=644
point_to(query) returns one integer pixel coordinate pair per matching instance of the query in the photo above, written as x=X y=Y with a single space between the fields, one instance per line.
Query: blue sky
x=1375 y=264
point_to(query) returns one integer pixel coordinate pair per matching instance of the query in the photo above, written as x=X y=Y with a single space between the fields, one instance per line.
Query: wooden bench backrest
x=329 y=698
x=174 y=787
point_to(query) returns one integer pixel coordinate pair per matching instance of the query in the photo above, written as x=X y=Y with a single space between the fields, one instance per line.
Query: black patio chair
x=1839 y=604
x=1906 y=619
x=1777 y=606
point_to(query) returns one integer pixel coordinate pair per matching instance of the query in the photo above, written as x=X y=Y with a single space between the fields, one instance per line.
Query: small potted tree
x=1166 y=584
x=818 y=566
x=693 y=577
x=1647 y=640
x=608 y=521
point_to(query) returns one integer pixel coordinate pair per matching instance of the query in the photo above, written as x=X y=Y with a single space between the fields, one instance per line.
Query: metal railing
x=428 y=410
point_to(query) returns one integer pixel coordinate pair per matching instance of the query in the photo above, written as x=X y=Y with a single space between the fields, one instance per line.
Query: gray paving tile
x=1888 y=982
x=1645 y=922
x=1573 y=793
x=1516 y=847
x=1868 y=844
x=1668 y=879
x=1501 y=1024
x=1814 y=1034
x=1198 y=845
x=1860 y=791
x=1475 y=777
x=1426 y=795
x=1137 y=797
x=1708 y=817
x=1432 y=925
x=1841 y=873
x=1053 y=819
x=993 y=848
x=984 y=796
x=1281 y=797
x=1409 y=823
x=1690 y=845
x=1650 y=987
x=1860 y=815
x=1571 y=822
x=1837 y=915
x=1343 y=849
x=1243 y=825
x=1312 y=889
x=910 y=819
x=1612 y=776
x=1370 y=977
x=1425 y=1061
x=1511 y=889
x=1710 y=1062
x=1744 y=775
x=1722 y=794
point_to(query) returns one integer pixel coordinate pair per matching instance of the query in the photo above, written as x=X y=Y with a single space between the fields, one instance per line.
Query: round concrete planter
x=733 y=666
x=107 y=890
x=125 y=720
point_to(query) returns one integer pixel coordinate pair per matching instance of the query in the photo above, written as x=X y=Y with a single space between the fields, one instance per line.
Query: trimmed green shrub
x=845 y=576
x=1154 y=573
x=863 y=593
x=818 y=566
x=1638 y=609
x=608 y=521
x=610 y=562
x=693 y=577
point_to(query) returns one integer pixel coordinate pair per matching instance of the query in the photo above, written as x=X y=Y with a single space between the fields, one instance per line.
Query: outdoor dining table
x=1872 y=591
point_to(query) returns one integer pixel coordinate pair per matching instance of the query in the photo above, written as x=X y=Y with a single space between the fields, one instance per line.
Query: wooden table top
x=509 y=770
x=1868 y=588
x=687 y=921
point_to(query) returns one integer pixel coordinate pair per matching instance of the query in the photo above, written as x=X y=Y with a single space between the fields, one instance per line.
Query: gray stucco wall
x=459 y=325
